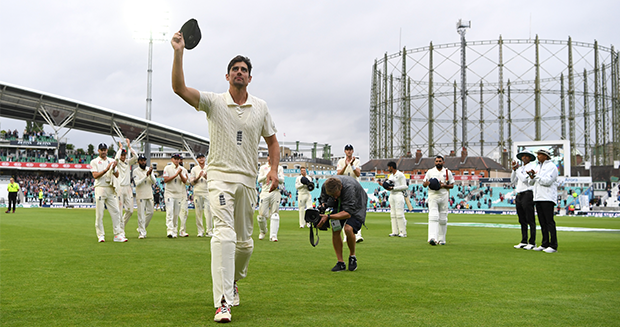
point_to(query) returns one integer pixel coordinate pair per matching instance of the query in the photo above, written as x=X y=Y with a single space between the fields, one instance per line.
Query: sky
x=312 y=60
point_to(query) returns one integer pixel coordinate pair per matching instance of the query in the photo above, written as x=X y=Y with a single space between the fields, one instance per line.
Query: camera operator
x=350 y=202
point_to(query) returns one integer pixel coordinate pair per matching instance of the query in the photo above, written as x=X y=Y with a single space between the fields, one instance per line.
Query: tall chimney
x=418 y=156
x=463 y=154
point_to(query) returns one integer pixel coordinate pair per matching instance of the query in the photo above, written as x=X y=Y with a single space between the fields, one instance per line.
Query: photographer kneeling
x=350 y=213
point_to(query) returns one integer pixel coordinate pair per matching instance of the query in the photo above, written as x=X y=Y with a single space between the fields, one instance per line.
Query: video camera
x=304 y=180
x=313 y=217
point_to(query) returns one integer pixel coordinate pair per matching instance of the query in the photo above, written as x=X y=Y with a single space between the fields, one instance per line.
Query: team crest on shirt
x=239 y=137
x=222 y=200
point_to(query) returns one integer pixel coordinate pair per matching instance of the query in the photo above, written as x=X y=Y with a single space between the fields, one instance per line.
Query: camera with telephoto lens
x=304 y=180
x=313 y=216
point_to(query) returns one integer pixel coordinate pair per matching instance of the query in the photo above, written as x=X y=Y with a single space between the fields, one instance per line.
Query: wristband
x=328 y=216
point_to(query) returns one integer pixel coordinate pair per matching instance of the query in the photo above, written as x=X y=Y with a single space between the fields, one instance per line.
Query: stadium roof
x=30 y=105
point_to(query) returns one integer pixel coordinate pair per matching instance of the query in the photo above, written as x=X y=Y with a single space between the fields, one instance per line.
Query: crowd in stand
x=78 y=186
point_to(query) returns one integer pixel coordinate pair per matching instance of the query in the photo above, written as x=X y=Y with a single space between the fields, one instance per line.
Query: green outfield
x=54 y=273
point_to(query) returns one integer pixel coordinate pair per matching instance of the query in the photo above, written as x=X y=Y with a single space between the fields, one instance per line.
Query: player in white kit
x=198 y=178
x=237 y=121
x=397 y=200
x=174 y=195
x=269 y=204
x=184 y=204
x=104 y=172
x=438 y=201
x=124 y=189
x=350 y=166
x=144 y=179
x=304 y=198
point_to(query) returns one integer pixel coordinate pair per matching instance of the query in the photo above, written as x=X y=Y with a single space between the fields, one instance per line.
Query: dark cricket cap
x=141 y=157
x=123 y=151
x=102 y=146
x=200 y=155
x=191 y=33
x=348 y=147
x=176 y=155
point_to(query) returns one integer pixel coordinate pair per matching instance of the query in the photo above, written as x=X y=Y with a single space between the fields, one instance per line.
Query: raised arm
x=190 y=95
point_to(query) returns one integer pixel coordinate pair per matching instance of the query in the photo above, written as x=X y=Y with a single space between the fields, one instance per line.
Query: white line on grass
x=559 y=228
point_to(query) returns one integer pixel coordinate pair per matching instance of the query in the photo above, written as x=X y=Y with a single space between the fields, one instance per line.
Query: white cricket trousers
x=145 y=213
x=203 y=209
x=183 y=216
x=232 y=206
x=268 y=209
x=125 y=196
x=106 y=196
x=305 y=202
x=397 y=213
x=173 y=207
x=438 y=217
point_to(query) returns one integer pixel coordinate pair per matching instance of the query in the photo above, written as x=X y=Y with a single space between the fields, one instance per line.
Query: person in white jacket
x=544 y=178
x=397 y=200
x=524 y=199
x=303 y=195
x=269 y=204
x=144 y=179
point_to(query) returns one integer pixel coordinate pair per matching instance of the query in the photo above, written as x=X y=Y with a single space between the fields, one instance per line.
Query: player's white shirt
x=262 y=177
x=400 y=183
x=201 y=187
x=144 y=183
x=520 y=178
x=174 y=188
x=235 y=132
x=99 y=165
x=441 y=176
x=350 y=170
x=302 y=189
x=124 y=168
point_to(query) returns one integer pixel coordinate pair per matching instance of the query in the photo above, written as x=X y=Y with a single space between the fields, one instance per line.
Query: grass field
x=54 y=273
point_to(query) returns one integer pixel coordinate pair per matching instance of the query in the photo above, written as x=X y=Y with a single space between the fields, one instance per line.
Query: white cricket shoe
x=274 y=239
x=184 y=235
x=261 y=236
x=539 y=248
x=209 y=235
x=142 y=236
x=101 y=239
x=520 y=245
x=201 y=235
x=402 y=235
x=529 y=246
x=222 y=314
x=120 y=238
x=550 y=250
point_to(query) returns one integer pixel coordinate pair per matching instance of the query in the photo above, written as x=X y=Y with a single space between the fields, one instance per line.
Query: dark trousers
x=65 y=202
x=527 y=219
x=12 y=200
x=547 y=224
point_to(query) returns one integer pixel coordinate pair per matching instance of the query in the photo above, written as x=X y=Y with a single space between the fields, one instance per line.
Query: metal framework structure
x=518 y=90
